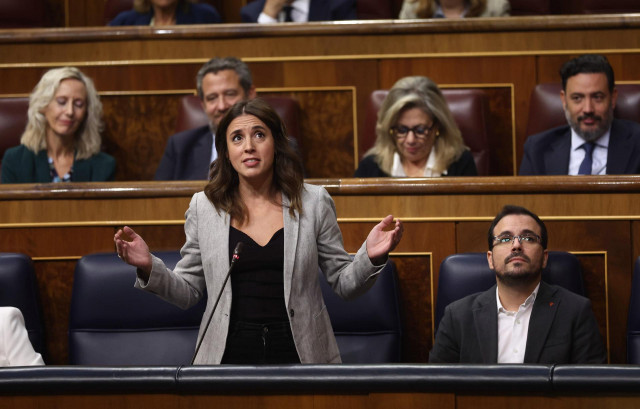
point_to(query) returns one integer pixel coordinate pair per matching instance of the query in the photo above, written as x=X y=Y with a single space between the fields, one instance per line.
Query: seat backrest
x=633 y=319
x=470 y=111
x=608 y=6
x=114 y=7
x=13 y=120
x=368 y=329
x=191 y=115
x=113 y=323
x=18 y=289
x=23 y=13
x=468 y=273
x=545 y=106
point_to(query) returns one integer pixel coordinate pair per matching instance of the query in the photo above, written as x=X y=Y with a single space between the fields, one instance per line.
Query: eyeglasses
x=419 y=131
x=525 y=239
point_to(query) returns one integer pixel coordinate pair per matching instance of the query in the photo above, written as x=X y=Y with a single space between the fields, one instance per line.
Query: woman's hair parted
x=87 y=138
x=222 y=189
x=424 y=94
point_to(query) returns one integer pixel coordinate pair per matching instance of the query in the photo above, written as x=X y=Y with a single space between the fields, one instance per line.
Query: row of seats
x=35 y=13
x=111 y=323
x=469 y=107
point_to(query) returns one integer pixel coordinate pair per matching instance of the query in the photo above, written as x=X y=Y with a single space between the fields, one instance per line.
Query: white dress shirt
x=299 y=13
x=15 y=347
x=398 y=171
x=214 y=152
x=513 y=328
x=599 y=157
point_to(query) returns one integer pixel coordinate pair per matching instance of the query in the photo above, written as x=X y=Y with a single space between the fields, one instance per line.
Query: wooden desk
x=596 y=217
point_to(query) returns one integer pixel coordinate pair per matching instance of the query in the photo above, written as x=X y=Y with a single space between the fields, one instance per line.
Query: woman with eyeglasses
x=416 y=135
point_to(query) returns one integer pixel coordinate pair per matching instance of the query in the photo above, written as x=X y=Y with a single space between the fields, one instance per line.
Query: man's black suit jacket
x=319 y=10
x=562 y=330
x=547 y=153
x=187 y=156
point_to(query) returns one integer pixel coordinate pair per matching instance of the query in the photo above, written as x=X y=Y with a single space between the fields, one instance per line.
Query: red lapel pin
x=551 y=304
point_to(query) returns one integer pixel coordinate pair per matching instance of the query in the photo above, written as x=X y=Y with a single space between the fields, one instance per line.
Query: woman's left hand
x=380 y=242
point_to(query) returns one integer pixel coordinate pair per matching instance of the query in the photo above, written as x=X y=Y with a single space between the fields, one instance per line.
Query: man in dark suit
x=273 y=11
x=593 y=142
x=521 y=319
x=221 y=82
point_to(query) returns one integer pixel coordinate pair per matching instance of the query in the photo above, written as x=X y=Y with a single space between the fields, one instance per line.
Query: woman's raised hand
x=381 y=242
x=133 y=251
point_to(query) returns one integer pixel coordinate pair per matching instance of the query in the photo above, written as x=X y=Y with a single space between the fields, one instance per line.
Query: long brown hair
x=222 y=189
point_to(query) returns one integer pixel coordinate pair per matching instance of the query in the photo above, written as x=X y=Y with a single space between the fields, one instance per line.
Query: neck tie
x=585 y=166
x=287 y=13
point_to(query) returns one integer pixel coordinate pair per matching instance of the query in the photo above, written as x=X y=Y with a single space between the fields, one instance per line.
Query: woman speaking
x=272 y=311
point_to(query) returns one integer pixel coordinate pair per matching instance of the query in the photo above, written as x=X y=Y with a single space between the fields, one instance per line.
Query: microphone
x=234 y=258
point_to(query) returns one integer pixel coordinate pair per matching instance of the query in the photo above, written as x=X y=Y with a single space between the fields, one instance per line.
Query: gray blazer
x=310 y=240
x=562 y=330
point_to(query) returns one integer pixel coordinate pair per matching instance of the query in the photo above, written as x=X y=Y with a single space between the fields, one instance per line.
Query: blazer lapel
x=542 y=316
x=619 y=150
x=291 y=225
x=42 y=167
x=556 y=162
x=485 y=314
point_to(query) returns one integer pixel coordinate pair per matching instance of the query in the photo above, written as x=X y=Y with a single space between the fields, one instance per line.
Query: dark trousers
x=250 y=343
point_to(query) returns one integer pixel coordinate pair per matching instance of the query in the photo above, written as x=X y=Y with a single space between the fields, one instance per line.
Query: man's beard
x=590 y=136
x=519 y=278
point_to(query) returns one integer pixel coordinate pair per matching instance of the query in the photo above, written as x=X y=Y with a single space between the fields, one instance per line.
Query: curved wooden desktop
x=595 y=217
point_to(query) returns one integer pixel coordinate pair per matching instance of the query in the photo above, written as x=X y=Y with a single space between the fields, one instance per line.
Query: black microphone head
x=238 y=248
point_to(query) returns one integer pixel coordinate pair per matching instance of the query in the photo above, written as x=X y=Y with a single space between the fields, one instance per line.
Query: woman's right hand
x=134 y=251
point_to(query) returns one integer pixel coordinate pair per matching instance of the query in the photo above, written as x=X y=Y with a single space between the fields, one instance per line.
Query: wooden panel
x=136 y=131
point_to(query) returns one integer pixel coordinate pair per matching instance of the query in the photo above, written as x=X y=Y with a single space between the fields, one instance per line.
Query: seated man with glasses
x=416 y=135
x=521 y=319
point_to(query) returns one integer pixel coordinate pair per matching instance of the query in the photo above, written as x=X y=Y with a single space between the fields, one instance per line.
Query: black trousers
x=250 y=343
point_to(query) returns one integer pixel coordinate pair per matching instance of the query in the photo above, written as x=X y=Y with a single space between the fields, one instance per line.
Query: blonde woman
x=416 y=135
x=167 y=13
x=61 y=142
x=454 y=8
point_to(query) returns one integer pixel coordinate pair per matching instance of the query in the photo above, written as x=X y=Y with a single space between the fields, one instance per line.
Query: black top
x=464 y=166
x=257 y=280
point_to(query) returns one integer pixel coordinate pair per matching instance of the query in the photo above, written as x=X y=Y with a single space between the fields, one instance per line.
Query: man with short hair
x=594 y=142
x=521 y=319
x=221 y=82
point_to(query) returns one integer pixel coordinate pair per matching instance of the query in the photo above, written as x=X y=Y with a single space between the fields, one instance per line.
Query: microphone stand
x=236 y=256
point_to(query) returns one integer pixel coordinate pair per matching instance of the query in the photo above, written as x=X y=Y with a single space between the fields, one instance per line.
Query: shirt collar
x=577 y=141
x=398 y=171
x=530 y=300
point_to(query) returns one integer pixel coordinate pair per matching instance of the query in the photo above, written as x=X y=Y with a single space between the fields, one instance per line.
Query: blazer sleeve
x=527 y=166
x=19 y=351
x=446 y=348
x=464 y=166
x=347 y=278
x=9 y=167
x=166 y=168
x=587 y=341
x=184 y=286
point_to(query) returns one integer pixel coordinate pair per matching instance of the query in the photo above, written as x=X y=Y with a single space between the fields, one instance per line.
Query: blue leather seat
x=113 y=323
x=633 y=319
x=368 y=329
x=467 y=273
x=18 y=289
